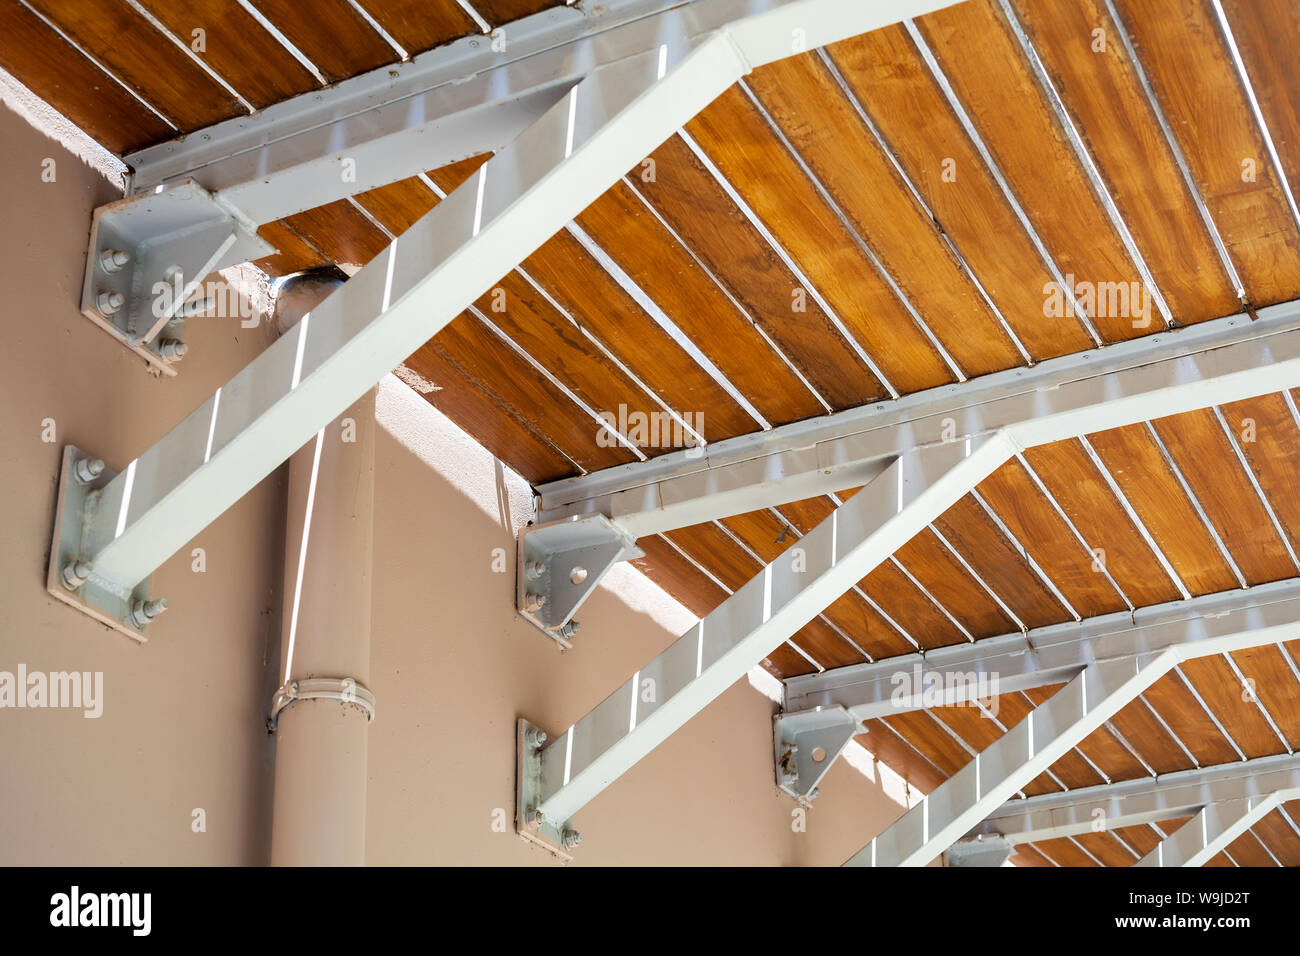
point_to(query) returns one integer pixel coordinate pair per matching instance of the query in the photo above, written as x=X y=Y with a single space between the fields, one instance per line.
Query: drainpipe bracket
x=346 y=690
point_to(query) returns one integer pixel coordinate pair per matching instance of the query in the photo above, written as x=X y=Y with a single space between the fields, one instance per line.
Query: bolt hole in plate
x=819 y=754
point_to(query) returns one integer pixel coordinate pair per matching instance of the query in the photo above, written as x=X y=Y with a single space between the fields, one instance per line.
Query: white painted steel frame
x=845 y=449
x=1043 y=656
x=1053 y=816
x=1052 y=729
x=561 y=163
x=1213 y=827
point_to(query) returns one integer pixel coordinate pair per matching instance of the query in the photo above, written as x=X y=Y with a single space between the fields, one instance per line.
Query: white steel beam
x=1103 y=388
x=1205 y=835
x=1053 y=816
x=472 y=96
x=1043 y=656
x=1047 y=733
x=602 y=127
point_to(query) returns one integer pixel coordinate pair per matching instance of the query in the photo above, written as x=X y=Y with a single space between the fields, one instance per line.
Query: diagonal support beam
x=1205 y=835
x=602 y=127
x=1050 y=730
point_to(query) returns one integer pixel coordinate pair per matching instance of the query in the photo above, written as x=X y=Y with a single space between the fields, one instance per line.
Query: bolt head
x=109 y=302
x=75 y=574
x=114 y=259
x=578 y=575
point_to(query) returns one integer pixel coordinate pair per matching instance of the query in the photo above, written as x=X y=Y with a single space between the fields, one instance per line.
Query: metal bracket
x=346 y=690
x=806 y=744
x=148 y=255
x=982 y=851
x=557 y=837
x=70 y=578
x=558 y=565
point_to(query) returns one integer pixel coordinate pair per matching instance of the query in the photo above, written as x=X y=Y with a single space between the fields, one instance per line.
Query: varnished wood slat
x=930 y=739
x=419 y=25
x=1079 y=488
x=341 y=232
x=1204 y=455
x=398 y=205
x=1135 y=462
x=806 y=103
x=740 y=143
x=1189 y=721
x=996 y=560
x=648 y=252
x=237 y=47
x=1209 y=112
x=685 y=582
x=497 y=12
x=1010 y=111
x=1104 y=749
x=522 y=390
x=1267 y=435
x=1220 y=860
x=1102 y=90
x=1039 y=528
x=1276 y=834
x=1066 y=853
x=601 y=306
x=1143 y=839
x=144 y=60
x=294 y=253
x=1106 y=849
x=454 y=175
x=1026 y=855
x=1275 y=687
x=1225 y=695
x=699 y=210
x=1268 y=34
x=331 y=34
x=1006 y=711
x=59 y=74
x=1146 y=735
x=905 y=603
x=532 y=323
x=903 y=759
x=891 y=82
x=466 y=403
x=940 y=573
x=1246 y=850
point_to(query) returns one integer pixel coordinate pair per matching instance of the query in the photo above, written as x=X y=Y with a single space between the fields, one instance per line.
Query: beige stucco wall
x=451 y=665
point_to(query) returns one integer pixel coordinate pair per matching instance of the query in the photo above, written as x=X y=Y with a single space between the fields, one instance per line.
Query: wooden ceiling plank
x=399 y=205
x=420 y=25
x=1135 y=462
x=899 y=756
x=647 y=251
x=1149 y=738
x=466 y=403
x=1230 y=702
x=294 y=253
x=808 y=106
x=987 y=69
x=1246 y=850
x=699 y=210
x=58 y=73
x=600 y=306
x=238 y=48
x=940 y=573
x=1191 y=70
x=1079 y=488
x=896 y=90
x=331 y=34
x=1205 y=456
x=1105 y=750
x=905 y=603
x=144 y=60
x=1106 y=848
x=923 y=733
x=525 y=393
x=341 y=232
x=999 y=563
x=1274 y=685
x=1276 y=834
x=1268 y=34
x=1028 y=514
x=1189 y=721
x=1026 y=855
x=498 y=12
x=1101 y=88
x=1268 y=437
x=1065 y=852
x=1071 y=768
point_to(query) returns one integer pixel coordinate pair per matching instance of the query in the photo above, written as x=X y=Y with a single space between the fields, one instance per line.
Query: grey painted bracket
x=148 y=255
x=70 y=577
x=982 y=851
x=560 y=564
x=554 y=836
x=806 y=744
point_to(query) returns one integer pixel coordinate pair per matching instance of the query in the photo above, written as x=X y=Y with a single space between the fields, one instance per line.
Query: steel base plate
x=528 y=770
